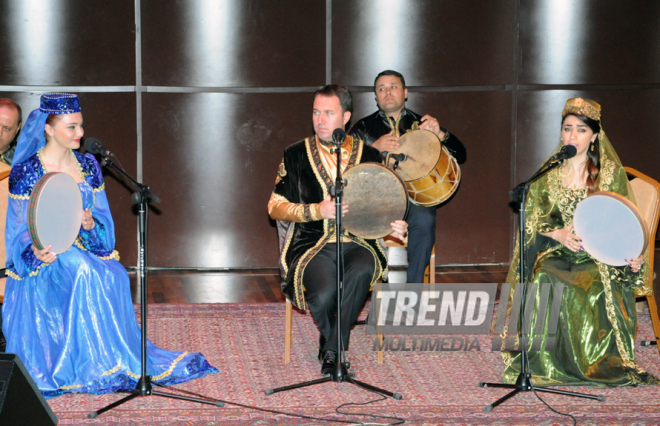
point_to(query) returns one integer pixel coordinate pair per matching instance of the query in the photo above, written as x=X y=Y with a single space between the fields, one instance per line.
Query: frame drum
x=611 y=228
x=55 y=212
x=376 y=197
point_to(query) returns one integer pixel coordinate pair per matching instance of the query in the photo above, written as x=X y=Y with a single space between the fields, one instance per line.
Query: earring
x=592 y=147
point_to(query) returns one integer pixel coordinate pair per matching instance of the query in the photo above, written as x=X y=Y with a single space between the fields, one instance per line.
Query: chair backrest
x=647 y=196
x=4 y=203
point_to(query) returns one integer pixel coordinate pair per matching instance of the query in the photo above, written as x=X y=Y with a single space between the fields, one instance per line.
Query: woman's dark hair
x=51 y=120
x=593 y=157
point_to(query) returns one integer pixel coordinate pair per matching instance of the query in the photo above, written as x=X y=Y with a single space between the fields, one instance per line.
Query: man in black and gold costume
x=382 y=130
x=308 y=252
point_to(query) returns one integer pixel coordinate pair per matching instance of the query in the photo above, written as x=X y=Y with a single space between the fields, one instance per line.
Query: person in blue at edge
x=70 y=317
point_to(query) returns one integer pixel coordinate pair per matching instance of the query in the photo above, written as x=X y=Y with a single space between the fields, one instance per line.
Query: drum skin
x=431 y=173
x=376 y=197
x=611 y=228
x=55 y=212
x=422 y=151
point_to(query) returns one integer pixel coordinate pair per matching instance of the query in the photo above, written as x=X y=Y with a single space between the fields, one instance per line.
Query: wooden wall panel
x=67 y=43
x=431 y=42
x=233 y=43
x=213 y=159
x=589 y=42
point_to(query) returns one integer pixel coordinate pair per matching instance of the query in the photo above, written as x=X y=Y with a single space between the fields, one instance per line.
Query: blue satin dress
x=72 y=322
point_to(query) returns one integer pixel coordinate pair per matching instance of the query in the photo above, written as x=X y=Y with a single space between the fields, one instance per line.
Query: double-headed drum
x=376 y=197
x=431 y=174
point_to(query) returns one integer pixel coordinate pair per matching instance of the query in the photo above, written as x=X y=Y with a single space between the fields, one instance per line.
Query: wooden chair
x=4 y=203
x=429 y=276
x=647 y=197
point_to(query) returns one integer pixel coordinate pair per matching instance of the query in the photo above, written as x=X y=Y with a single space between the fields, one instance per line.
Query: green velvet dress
x=596 y=331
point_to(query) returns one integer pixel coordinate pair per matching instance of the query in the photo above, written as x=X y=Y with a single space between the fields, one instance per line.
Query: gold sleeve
x=279 y=208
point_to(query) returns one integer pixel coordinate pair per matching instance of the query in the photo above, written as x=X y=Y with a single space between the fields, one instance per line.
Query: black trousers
x=320 y=284
x=421 y=237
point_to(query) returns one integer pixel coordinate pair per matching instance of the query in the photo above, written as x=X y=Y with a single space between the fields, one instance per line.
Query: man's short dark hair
x=6 y=102
x=342 y=92
x=393 y=73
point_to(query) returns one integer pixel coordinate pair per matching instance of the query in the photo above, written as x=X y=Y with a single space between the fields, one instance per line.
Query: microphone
x=399 y=157
x=566 y=152
x=95 y=146
x=338 y=136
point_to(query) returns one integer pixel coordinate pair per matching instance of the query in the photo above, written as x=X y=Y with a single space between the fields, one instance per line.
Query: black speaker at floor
x=21 y=402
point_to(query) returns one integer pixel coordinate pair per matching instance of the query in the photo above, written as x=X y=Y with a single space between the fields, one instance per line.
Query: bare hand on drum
x=635 y=263
x=387 y=142
x=400 y=229
x=567 y=238
x=44 y=255
x=430 y=123
x=87 y=220
x=329 y=210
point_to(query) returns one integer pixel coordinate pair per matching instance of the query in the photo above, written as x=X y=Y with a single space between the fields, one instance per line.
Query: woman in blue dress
x=70 y=317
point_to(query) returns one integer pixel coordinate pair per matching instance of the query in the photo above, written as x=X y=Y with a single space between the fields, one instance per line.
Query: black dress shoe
x=328 y=362
x=321 y=345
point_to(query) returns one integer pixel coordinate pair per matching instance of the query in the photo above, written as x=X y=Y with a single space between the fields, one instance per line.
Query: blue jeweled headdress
x=32 y=137
x=59 y=103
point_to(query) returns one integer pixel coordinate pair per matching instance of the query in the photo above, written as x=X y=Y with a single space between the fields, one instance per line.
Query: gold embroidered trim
x=566 y=199
x=285 y=267
x=395 y=125
x=12 y=274
x=112 y=370
x=36 y=271
x=80 y=171
x=133 y=375
x=19 y=197
x=611 y=315
x=279 y=197
x=70 y=387
x=113 y=255
x=169 y=370
x=606 y=174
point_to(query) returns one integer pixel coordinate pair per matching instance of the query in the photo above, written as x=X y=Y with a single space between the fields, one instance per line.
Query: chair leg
x=380 y=348
x=653 y=309
x=288 y=329
x=432 y=266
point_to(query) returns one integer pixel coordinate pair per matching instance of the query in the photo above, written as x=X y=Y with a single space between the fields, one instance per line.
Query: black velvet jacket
x=372 y=127
x=302 y=179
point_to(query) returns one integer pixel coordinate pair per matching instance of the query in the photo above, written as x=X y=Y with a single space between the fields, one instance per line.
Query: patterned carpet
x=246 y=343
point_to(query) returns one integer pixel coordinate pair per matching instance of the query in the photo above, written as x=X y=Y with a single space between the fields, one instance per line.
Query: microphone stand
x=524 y=382
x=141 y=196
x=340 y=372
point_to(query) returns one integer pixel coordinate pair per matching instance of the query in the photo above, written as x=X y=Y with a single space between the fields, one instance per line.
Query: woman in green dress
x=595 y=340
